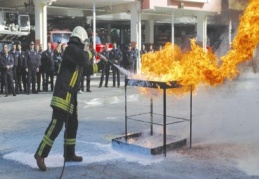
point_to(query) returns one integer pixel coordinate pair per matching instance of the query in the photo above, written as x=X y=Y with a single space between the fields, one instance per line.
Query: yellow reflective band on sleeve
x=68 y=98
x=89 y=54
x=74 y=77
x=70 y=141
x=95 y=68
x=62 y=104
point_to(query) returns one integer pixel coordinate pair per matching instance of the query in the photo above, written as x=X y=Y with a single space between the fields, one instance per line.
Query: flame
x=197 y=66
x=131 y=140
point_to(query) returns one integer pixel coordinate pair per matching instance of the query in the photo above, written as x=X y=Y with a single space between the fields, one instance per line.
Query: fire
x=197 y=66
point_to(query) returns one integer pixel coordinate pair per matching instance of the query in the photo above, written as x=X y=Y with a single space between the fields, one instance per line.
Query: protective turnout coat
x=68 y=78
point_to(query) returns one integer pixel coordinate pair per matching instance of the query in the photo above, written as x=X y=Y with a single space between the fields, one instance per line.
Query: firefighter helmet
x=80 y=33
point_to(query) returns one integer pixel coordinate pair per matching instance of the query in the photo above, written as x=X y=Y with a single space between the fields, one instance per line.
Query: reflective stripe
x=53 y=124
x=41 y=148
x=63 y=104
x=70 y=141
x=74 y=77
x=89 y=54
x=46 y=140
x=68 y=98
x=95 y=68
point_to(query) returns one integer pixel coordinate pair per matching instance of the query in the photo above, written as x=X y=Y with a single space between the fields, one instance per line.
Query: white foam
x=108 y=154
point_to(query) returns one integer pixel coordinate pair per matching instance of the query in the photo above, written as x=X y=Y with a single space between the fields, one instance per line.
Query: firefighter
x=64 y=100
x=7 y=63
x=33 y=63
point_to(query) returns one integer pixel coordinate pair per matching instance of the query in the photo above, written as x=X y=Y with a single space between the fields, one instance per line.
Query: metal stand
x=164 y=86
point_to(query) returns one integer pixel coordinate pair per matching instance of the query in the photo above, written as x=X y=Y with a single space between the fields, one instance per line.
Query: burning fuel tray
x=146 y=144
x=151 y=84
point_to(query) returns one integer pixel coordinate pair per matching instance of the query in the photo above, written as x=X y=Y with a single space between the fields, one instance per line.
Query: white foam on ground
x=56 y=160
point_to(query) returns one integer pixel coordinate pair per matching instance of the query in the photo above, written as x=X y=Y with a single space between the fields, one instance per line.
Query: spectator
x=57 y=57
x=7 y=63
x=115 y=57
x=105 y=66
x=48 y=68
x=22 y=65
x=33 y=60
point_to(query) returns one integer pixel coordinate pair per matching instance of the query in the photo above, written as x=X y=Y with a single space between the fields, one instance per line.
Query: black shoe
x=40 y=162
x=99 y=86
x=74 y=158
x=14 y=94
x=106 y=86
x=6 y=95
x=34 y=92
x=88 y=90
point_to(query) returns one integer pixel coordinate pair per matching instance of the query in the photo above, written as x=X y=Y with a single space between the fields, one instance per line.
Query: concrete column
x=149 y=31
x=109 y=32
x=41 y=24
x=202 y=30
x=38 y=22
x=135 y=29
x=43 y=41
x=230 y=32
x=134 y=25
x=172 y=29
x=94 y=25
x=139 y=43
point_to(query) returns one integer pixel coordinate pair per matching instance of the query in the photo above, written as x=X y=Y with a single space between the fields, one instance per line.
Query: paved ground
x=101 y=113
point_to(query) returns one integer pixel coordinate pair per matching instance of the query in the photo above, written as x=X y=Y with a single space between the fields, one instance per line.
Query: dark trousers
x=49 y=76
x=2 y=81
x=18 y=85
x=8 y=81
x=59 y=117
x=106 y=72
x=43 y=76
x=130 y=67
x=24 y=76
x=88 y=81
x=115 y=73
x=31 y=79
x=15 y=78
x=38 y=80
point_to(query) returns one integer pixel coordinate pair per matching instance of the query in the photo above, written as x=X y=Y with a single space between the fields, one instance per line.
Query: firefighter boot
x=70 y=155
x=40 y=162
x=74 y=158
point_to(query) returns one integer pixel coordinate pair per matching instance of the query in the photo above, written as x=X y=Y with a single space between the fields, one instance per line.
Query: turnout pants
x=60 y=117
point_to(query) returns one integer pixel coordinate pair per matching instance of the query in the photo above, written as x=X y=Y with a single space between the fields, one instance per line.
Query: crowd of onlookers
x=29 y=71
x=33 y=70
